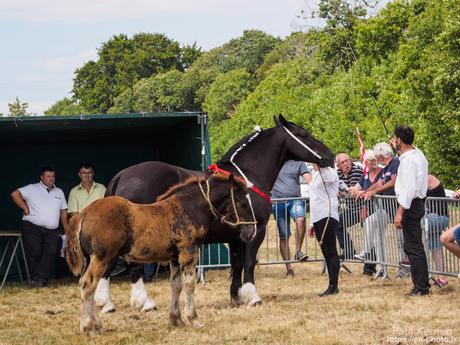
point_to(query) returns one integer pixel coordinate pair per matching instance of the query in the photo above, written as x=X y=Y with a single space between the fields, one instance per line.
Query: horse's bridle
x=223 y=218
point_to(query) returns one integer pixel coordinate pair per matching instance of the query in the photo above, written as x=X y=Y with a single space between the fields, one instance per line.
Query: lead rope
x=207 y=198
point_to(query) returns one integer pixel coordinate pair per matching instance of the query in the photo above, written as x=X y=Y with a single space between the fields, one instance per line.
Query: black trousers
x=413 y=245
x=329 y=248
x=41 y=247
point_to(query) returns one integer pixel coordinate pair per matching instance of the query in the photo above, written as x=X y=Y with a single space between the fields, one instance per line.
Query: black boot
x=331 y=290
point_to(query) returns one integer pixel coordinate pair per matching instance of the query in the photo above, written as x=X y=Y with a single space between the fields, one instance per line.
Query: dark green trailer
x=110 y=142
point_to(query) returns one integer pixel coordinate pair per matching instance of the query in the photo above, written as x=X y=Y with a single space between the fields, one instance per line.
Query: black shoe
x=38 y=284
x=331 y=290
x=418 y=292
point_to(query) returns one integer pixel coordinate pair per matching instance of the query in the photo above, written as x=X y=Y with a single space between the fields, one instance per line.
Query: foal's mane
x=189 y=181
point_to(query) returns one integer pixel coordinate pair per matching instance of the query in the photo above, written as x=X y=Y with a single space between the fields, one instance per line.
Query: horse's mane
x=180 y=186
x=193 y=179
x=228 y=155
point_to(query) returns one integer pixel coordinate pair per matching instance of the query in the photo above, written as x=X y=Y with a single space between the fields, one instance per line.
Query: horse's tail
x=113 y=185
x=74 y=253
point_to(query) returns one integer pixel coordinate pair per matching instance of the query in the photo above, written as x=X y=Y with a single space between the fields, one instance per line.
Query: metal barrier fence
x=369 y=235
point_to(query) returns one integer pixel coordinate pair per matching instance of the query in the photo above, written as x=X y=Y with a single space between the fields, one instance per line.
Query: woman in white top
x=324 y=213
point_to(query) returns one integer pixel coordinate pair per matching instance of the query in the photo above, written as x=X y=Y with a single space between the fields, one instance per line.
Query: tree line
x=400 y=66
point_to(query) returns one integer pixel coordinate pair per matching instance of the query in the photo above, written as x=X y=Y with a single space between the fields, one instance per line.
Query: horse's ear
x=283 y=121
x=236 y=183
x=277 y=121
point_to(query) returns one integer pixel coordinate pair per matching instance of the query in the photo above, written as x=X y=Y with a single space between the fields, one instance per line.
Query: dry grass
x=365 y=312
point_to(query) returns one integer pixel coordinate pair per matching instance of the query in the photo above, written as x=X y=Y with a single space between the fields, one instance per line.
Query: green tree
x=18 y=108
x=124 y=61
x=225 y=93
x=65 y=106
x=160 y=93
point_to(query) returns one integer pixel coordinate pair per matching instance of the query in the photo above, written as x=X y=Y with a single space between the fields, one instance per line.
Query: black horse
x=258 y=158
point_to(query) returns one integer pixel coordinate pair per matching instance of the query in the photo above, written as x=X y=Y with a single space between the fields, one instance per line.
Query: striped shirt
x=353 y=177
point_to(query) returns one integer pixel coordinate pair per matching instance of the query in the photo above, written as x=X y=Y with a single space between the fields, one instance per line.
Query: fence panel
x=368 y=234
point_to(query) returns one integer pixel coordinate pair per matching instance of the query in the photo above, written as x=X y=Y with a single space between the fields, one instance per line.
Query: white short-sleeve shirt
x=323 y=201
x=44 y=206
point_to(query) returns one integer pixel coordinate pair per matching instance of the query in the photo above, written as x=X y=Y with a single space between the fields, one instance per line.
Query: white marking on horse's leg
x=86 y=318
x=188 y=279
x=247 y=295
x=139 y=298
x=102 y=296
x=90 y=323
x=176 y=288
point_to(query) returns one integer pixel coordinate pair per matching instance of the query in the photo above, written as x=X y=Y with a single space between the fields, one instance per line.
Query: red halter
x=215 y=168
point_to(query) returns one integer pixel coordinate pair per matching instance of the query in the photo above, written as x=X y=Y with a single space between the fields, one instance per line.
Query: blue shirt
x=390 y=170
x=287 y=183
x=365 y=181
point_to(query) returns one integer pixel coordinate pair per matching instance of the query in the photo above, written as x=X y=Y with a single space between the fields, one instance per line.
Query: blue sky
x=45 y=41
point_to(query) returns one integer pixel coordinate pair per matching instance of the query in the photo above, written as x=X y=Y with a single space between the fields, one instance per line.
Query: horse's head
x=233 y=204
x=302 y=146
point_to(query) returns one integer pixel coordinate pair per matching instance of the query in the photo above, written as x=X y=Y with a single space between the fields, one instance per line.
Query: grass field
x=365 y=312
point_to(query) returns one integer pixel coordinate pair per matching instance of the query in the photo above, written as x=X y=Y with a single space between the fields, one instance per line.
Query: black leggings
x=329 y=248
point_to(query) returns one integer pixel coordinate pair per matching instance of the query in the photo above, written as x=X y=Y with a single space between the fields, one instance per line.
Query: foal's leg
x=175 y=318
x=139 y=298
x=188 y=280
x=90 y=323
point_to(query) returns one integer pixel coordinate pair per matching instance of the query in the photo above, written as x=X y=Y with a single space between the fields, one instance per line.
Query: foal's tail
x=74 y=254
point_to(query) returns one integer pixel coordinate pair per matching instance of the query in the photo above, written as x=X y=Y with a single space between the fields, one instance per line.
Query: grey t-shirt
x=287 y=183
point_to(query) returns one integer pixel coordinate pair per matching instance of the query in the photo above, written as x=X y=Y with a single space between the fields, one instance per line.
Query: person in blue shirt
x=287 y=185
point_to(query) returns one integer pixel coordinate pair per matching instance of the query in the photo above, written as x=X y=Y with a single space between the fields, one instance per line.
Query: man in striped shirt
x=349 y=175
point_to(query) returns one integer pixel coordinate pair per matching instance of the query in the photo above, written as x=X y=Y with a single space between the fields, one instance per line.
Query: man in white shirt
x=43 y=205
x=410 y=189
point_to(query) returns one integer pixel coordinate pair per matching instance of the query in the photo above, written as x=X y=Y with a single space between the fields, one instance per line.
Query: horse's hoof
x=247 y=295
x=149 y=305
x=234 y=301
x=176 y=322
x=255 y=303
x=196 y=323
x=91 y=330
x=108 y=308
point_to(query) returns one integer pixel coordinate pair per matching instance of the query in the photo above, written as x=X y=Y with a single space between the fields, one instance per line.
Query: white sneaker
x=361 y=256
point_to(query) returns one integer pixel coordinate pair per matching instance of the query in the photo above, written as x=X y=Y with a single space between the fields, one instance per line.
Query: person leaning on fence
x=451 y=240
x=451 y=237
x=410 y=188
x=385 y=186
x=456 y=194
x=324 y=215
x=349 y=175
x=287 y=186
x=437 y=220
x=370 y=215
x=43 y=205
